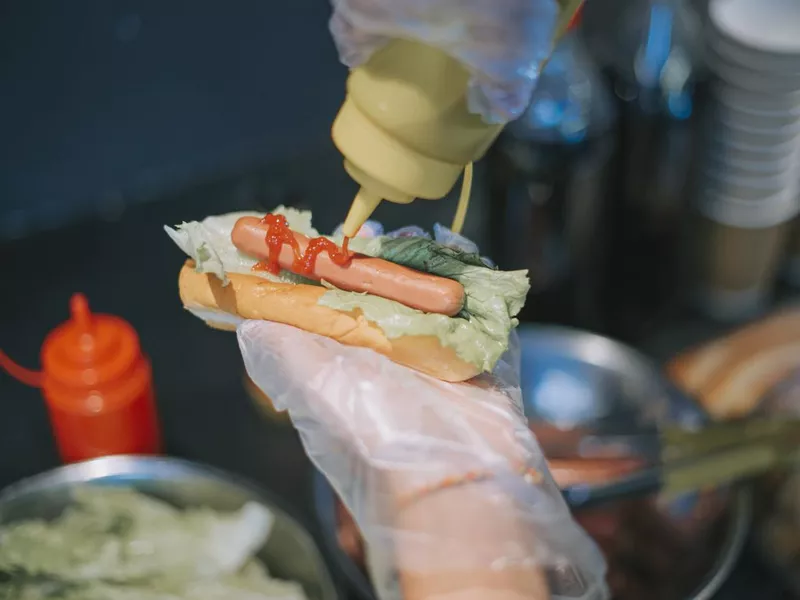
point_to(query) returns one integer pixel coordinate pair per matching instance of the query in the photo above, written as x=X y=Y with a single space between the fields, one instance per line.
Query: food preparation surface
x=129 y=268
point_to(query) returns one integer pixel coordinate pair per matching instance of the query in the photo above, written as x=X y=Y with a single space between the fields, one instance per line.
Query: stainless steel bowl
x=601 y=387
x=575 y=379
x=290 y=553
x=580 y=385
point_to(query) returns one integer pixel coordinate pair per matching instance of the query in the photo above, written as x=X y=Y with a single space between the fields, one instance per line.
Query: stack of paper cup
x=749 y=188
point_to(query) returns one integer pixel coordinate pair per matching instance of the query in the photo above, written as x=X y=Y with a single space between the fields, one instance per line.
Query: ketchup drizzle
x=278 y=234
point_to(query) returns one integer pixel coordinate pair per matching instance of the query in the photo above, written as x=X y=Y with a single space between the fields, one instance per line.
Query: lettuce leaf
x=209 y=243
x=479 y=334
x=493 y=298
x=121 y=535
x=118 y=544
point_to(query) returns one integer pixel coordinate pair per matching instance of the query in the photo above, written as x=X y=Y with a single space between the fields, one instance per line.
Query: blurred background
x=651 y=189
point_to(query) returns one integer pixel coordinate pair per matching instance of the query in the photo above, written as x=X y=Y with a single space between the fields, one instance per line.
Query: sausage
x=376 y=276
x=593 y=471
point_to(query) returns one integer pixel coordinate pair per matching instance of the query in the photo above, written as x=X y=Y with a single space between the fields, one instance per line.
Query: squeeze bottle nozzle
x=364 y=204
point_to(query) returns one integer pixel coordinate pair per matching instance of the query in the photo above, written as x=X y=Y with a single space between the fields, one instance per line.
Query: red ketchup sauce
x=278 y=234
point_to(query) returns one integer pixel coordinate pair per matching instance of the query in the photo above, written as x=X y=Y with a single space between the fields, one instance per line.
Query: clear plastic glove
x=446 y=482
x=502 y=42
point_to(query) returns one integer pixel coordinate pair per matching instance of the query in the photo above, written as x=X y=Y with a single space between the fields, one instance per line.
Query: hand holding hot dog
x=445 y=481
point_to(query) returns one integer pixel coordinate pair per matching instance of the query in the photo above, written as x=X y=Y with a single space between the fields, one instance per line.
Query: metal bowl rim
x=640 y=368
x=76 y=473
x=740 y=519
x=644 y=363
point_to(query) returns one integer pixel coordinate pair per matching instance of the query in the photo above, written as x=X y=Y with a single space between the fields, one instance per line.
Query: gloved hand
x=447 y=484
x=502 y=42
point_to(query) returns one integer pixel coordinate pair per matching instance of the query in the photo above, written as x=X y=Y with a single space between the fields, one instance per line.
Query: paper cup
x=768 y=26
x=748 y=214
x=739 y=245
x=720 y=161
x=751 y=188
x=737 y=267
x=757 y=101
x=737 y=134
x=749 y=153
x=745 y=118
x=751 y=79
x=751 y=58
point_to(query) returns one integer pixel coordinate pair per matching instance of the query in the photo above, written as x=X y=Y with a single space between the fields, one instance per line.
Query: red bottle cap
x=88 y=351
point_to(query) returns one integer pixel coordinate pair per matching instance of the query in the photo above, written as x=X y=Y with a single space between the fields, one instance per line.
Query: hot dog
x=244 y=266
x=422 y=291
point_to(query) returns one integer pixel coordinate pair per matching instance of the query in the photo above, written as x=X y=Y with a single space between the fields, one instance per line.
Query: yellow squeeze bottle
x=404 y=128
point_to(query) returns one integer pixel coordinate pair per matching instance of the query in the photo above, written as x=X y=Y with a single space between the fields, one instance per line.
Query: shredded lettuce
x=209 y=244
x=479 y=334
x=118 y=544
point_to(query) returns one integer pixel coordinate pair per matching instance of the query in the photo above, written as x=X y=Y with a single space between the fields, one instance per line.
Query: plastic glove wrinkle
x=381 y=432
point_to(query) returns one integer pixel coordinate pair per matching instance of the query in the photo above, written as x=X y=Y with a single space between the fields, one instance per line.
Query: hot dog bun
x=252 y=297
x=730 y=376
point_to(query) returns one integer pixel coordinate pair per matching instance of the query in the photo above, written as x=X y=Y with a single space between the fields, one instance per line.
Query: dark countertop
x=129 y=268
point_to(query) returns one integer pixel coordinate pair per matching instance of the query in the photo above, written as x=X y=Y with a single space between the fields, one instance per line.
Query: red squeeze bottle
x=98 y=386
